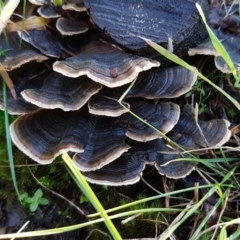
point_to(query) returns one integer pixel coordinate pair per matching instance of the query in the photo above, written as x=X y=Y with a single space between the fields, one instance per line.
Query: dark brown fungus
x=123 y=22
x=19 y=106
x=163 y=83
x=213 y=133
x=125 y=170
x=106 y=106
x=105 y=64
x=230 y=42
x=76 y=5
x=44 y=41
x=205 y=48
x=16 y=58
x=110 y=134
x=62 y=92
x=162 y=116
x=175 y=169
x=71 y=26
x=46 y=134
x=13 y=57
x=106 y=143
x=48 y=11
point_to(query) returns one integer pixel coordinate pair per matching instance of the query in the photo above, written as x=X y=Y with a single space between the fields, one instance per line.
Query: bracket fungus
x=231 y=44
x=14 y=57
x=71 y=26
x=45 y=134
x=106 y=106
x=61 y=131
x=18 y=106
x=193 y=134
x=48 y=11
x=165 y=165
x=105 y=64
x=162 y=117
x=44 y=41
x=128 y=168
x=74 y=106
x=163 y=83
x=62 y=92
x=76 y=5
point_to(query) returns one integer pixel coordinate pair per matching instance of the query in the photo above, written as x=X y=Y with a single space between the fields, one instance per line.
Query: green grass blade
x=78 y=226
x=9 y=142
x=223 y=232
x=220 y=48
x=228 y=176
x=207 y=217
x=91 y=196
x=234 y=236
x=191 y=211
x=151 y=199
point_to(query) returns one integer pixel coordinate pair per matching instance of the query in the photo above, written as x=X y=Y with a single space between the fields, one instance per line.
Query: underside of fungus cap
x=62 y=92
x=44 y=41
x=106 y=142
x=231 y=44
x=45 y=134
x=192 y=135
x=164 y=156
x=106 y=106
x=161 y=116
x=105 y=64
x=163 y=83
x=71 y=26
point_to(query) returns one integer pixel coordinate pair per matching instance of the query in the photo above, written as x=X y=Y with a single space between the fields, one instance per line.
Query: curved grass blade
x=83 y=184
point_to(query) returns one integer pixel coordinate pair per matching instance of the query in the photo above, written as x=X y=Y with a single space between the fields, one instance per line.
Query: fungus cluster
x=72 y=105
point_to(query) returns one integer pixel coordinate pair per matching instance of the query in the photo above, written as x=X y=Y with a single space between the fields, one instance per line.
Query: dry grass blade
x=7 y=12
x=8 y=81
x=177 y=219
